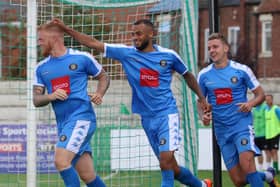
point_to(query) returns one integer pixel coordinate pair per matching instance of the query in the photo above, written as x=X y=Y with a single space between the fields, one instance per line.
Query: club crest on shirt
x=162 y=141
x=163 y=63
x=62 y=138
x=234 y=79
x=244 y=141
x=73 y=66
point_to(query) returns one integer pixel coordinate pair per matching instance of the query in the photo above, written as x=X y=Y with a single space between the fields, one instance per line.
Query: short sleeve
x=250 y=79
x=93 y=67
x=115 y=51
x=38 y=78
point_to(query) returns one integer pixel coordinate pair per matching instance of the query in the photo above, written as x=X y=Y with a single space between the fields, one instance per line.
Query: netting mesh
x=122 y=155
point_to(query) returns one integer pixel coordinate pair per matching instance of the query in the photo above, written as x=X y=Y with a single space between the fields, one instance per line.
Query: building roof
x=230 y=2
x=166 y=6
x=269 y=6
x=204 y=3
x=253 y=1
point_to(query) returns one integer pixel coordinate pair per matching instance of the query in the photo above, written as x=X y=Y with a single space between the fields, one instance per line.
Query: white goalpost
x=31 y=122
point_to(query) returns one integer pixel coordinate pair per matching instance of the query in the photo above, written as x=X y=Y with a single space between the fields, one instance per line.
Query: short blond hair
x=218 y=36
x=50 y=27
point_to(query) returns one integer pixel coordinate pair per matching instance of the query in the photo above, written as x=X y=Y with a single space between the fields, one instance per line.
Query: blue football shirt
x=226 y=87
x=149 y=75
x=69 y=72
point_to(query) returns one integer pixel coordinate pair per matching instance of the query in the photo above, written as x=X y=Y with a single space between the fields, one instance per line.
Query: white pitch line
x=110 y=176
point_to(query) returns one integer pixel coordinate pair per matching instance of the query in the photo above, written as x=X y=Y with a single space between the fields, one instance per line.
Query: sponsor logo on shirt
x=61 y=83
x=208 y=82
x=149 y=78
x=223 y=96
x=134 y=60
x=45 y=73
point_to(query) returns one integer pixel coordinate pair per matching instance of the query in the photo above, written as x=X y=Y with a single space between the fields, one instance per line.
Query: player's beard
x=143 y=45
x=46 y=51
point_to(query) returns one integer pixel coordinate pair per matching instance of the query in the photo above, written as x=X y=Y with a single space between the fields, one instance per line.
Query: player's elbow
x=262 y=98
x=261 y=95
x=35 y=103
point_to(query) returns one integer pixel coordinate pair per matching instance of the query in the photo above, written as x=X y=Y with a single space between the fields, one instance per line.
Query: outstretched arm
x=80 y=37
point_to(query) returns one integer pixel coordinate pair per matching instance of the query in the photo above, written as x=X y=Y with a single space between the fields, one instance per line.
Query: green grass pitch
x=123 y=179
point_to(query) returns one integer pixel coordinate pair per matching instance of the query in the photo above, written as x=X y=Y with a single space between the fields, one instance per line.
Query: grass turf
x=122 y=179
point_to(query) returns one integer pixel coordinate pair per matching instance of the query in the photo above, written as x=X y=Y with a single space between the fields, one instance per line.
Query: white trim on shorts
x=78 y=136
x=174 y=131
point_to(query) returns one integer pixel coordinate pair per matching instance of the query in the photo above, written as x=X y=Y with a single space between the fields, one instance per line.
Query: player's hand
x=58 y=94
x=96 y=98
x=58 y=22
x=244 y=107
x=206 y=119
x=204 y=111
x=204 y=105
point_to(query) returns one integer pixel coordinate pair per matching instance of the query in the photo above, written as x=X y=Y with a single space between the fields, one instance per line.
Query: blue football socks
x=186 y=177
x=167 y=178
x=97 y=182
x=255 y=179
x=70 y=177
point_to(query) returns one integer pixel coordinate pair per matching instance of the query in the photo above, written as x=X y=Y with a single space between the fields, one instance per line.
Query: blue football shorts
x=75 y=136
x=162 y=132
x=234 y=144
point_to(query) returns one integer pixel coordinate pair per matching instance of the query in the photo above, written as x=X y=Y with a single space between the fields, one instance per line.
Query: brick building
x=118 y=21
x=12 y=40
x=252 y=28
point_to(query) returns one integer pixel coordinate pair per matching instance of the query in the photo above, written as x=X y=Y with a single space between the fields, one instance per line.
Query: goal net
x=121 y=153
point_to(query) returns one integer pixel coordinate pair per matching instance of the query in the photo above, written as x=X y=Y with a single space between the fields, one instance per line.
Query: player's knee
x=163 y=165
x=167 y=162
x=239 y=182
x=248 y=166
x=61 y=164
x=87 y=177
